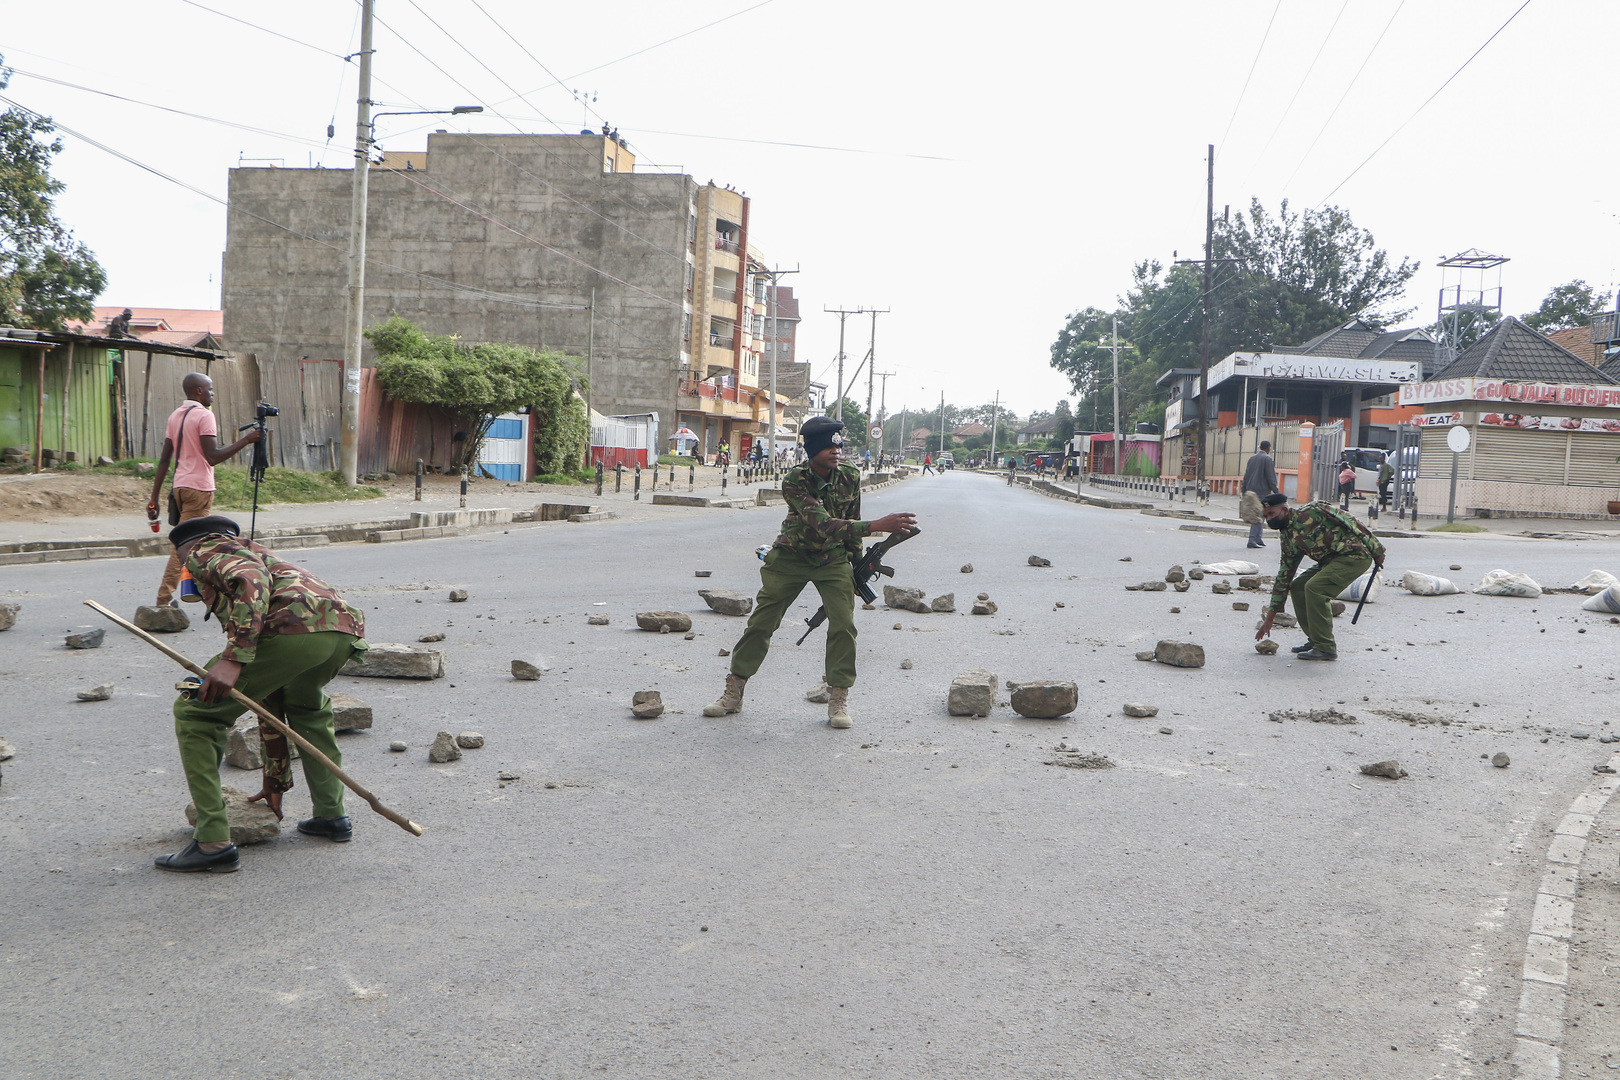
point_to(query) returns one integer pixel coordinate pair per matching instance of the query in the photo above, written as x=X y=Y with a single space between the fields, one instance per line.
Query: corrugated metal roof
x=1514 y=351
x=1356 y=340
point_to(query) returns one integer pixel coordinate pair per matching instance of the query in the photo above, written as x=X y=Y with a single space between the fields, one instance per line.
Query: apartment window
x=1276 y=406
x=686 y=326
x=691 y=276
x=758 y=326
x=759 y=288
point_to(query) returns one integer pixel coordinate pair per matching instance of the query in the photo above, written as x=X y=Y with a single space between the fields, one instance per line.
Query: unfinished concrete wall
x=500 y=238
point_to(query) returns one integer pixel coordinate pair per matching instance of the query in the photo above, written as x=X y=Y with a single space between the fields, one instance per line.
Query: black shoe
x=1300 y=648
x=194 y=860
x=1318 y=654
x=336 y=829
x=1257 y=545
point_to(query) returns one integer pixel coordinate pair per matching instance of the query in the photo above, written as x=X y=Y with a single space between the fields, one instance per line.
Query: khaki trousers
x=193 y=504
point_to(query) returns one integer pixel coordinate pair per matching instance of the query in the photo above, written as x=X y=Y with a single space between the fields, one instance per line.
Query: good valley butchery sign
x=1527 y=422
x=1533 y=393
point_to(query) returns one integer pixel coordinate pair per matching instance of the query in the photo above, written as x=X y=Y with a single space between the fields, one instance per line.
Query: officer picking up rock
x=1342 y=547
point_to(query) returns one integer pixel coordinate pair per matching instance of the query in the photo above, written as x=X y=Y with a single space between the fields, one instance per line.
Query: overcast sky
x=981 y=170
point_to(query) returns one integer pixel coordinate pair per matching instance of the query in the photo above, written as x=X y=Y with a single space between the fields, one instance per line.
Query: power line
x=1302 y=81
x=1347 y=89
x=1425 y=104
x=659 y=45
x=794 y=145
x=267 y=30
x=1252 y=65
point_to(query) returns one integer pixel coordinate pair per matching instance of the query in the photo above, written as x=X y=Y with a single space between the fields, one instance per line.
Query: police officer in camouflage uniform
x=287 y=634
x=1342 y=547
x=820 y=537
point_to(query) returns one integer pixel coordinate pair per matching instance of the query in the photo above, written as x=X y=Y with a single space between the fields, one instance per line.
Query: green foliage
x=46 y=276
x=1570 y=304
x=675 y=459
x=235 y=491
x=581 y=476
x=1297 y=275
x=855 y=426
x=1065 y=423
x=477 y=383
x=1457 y=527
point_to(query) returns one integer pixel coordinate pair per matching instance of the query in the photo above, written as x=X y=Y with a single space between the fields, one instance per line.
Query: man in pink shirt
x=192 y=443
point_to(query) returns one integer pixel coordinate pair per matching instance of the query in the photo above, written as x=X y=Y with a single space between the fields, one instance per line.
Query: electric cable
x=1248 y=78
x=1295 y=97
x=1425 y=104
x=267 y=30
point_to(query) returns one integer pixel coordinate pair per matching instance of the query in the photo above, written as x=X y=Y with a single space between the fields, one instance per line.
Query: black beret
x=816 y=425
x=1276 y=499
x=203 y=526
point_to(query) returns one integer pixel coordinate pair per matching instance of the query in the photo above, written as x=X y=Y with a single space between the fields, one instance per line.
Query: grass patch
x=233 y=492
x=580 y=477
x=1456 y=526
x=675 y=459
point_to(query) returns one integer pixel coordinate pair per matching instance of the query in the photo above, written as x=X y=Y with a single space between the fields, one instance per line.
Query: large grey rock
x=161 y=620
x=1221 y=588
x=527 y=672
x=1391 y=769
x=1136 y=708
x=458 y=596
x=945 y=604
x=444 y=748
x=86 y=639
x=597 y=620
x=1179 y=654
x=905 y=598
x=8 y=615
x=242 y=747
x=1181 y=586
x=1266 y=647
x=98 y=693
x=646 y=704
x=1500 y=760
x=972 y=693
x=967 y=568
x=1249 y=581
x=1045 y=700
x=1154 y=586
x=1036 y=560
x=349 y=713
x=470 y=740
x=251 y=822
x=1175 y=574
x=983 y=607
x=428 y=639
x=664 y=622
x=389 y=660
x=727 y=602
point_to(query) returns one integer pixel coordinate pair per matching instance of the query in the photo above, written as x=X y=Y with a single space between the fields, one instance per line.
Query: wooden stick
x=270 y=718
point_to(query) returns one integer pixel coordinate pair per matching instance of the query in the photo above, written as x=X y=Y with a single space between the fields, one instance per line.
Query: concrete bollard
x=418 y=480
x=599 y=478
x=464 y=487
x=637 y=489
x=618 y=478
x=691 y=478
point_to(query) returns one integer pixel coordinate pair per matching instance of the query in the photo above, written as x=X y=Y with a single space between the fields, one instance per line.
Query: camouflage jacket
x=1320 y=532
x=256 y=594
x=823 y=522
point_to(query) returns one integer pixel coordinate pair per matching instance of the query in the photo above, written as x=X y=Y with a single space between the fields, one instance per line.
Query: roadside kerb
x=76 y=554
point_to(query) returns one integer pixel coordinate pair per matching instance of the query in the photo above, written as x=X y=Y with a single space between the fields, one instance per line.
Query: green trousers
x=287 y=676
x=782 y=579
x=1314 y=592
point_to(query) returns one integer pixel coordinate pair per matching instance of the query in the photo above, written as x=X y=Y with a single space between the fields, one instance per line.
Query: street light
x=459 y=110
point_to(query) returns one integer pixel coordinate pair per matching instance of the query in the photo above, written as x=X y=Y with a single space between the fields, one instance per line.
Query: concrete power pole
x=871 y=357
x=1203 y=349
x=1119 y=459
x=883 y=409
x=354 y=318
x=995 y=421
x=843 y=314
x=942 y=421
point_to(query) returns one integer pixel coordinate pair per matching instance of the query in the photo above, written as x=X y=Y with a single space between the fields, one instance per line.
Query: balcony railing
x=702 y=388
x=718 y=342
x=722 y=242
x=723 y=293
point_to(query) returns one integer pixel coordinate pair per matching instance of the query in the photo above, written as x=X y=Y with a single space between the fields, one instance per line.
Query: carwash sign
x=1524 y=393
x=1314 y=369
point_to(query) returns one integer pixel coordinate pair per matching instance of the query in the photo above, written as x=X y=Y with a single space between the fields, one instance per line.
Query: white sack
x=1596 y=582
x=1236 y=566
x=1505 y=583
x=1352 y=591
x=1419 y=584
x=1607 y=601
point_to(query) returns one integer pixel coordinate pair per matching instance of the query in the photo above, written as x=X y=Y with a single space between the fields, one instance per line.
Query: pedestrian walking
x=191 y=443
x=1259 y=480
x=928 y=464
x=1347 y=482
x=820 y=538
x=287 y=634
x=1386 y=473
x=1342 y=548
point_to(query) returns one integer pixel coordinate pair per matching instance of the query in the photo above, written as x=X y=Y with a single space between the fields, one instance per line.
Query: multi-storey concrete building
x=552 y=241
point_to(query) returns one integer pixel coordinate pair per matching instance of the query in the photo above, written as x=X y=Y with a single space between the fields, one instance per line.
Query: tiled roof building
x=1514 y=351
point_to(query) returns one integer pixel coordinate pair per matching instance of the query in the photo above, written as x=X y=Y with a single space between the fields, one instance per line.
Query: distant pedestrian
x=1347 y=482
x=190 y=441
x=928 y=464
x=1259 y=480
x=1386 y=473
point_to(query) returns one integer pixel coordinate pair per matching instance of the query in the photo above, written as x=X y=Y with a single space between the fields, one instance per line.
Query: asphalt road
x=760 y=896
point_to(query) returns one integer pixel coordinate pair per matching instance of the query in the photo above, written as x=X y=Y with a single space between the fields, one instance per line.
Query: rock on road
x=760 y=896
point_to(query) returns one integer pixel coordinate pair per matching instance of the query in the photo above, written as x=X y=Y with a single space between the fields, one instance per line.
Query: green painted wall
x=78 y=411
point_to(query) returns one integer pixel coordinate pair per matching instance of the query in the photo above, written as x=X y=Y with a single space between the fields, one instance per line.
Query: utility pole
x=995 y=421
x=883 y=409
x=843 y=314
x=871 y=357
x=905 y=436
x=590 y=349
x=355 y=315
x=942 y=421
x=1203 y=349
x=1119 y=460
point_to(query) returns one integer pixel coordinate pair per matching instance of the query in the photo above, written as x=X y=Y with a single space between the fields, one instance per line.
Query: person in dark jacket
x=1259 y=480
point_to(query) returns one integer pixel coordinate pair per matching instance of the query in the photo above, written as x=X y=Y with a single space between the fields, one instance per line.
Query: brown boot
x=730 y=701
x=838 y=707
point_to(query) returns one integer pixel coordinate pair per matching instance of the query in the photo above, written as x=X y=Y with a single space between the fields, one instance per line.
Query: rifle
x=868 y=566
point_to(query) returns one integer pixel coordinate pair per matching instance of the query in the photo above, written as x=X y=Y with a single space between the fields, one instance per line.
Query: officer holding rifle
x=820 y=539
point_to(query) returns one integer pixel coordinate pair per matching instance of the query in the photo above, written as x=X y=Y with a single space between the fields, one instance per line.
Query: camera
x=267 y=409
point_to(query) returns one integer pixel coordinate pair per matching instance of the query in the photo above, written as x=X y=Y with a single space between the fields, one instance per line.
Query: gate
x=1408 y=441
x=1325 y=451
x=505 y=453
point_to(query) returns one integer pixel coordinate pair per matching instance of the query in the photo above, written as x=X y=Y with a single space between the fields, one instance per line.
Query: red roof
x=171 y=326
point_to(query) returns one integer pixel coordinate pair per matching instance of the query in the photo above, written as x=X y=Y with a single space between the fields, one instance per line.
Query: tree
x=855 y=425
x=1064 y=431
x=46 y=276
x=1571 y=304
x=477 y=383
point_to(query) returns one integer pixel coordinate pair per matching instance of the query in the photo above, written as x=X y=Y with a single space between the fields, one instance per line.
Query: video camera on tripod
x=261 y=458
